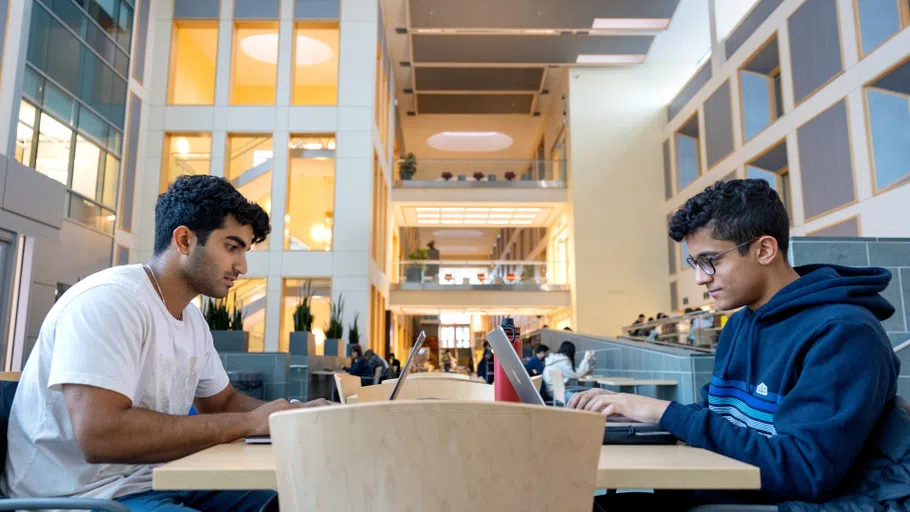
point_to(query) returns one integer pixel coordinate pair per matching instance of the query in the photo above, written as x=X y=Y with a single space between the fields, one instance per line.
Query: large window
x=688 y=154
x=888 y=110
x=760 y=88
x=25 y=134
x=320 y=308
x=773 y=167
x=249 y=169
x=54 y=143
x=308 y=224
x=194 y=52
x=254 y=64
x=249 y=296
x=315 y=77
x=186 y=153
x=878 y=20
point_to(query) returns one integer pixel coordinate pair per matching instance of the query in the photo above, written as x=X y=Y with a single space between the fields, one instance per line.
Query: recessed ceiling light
x=609 y=59
x=502 y=210
x=470 y=142
x=631 y=23
x=453 y=209
x=478 y=209
x=313 y=146
x=527 y=209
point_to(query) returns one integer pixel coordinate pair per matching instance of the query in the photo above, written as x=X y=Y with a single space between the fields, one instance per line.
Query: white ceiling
x=454 y=243
x=524 y=131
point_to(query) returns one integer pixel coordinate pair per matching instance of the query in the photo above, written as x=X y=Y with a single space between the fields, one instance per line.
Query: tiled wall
x=690 y=369
x=890 y=253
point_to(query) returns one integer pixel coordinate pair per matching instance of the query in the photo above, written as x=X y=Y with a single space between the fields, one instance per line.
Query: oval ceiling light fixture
x=264 y=48
x=470 y=142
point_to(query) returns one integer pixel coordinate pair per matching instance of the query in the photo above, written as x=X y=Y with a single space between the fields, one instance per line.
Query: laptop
x=406 y=369
x=624 y=431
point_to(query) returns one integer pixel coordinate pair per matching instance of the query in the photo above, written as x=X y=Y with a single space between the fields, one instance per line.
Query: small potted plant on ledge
x=302 y=340
x=334 y=332
x=226 y=326
x=478 y=176
x=407 y=168
x=447 y=175
x=510 y=175
x=353 y=336
x=414 y=271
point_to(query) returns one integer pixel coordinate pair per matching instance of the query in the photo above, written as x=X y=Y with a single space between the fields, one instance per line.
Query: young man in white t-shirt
x=123 y=355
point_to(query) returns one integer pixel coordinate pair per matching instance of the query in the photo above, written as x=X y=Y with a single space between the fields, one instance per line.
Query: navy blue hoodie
x=799 y=383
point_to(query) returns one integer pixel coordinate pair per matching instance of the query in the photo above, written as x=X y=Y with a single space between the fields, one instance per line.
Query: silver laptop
x=511 y=363
x=407 y=365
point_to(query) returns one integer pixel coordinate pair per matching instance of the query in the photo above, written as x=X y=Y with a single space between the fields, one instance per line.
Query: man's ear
x=185 y=240
x=767 y=249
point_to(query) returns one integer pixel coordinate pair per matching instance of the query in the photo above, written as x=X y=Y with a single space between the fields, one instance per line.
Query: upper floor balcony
x=481 y=181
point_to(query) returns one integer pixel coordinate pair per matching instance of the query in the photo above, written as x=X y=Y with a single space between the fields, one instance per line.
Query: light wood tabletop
x=326 y=372
x=240 y=466
x=635 y=382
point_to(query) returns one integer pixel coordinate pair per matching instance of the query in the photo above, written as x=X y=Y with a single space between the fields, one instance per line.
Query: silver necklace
x=158 y=288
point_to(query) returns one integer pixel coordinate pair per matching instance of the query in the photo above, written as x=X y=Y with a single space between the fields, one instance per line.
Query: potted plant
x=334 y=331
x=527 y=273
x=414 y=271
x=226 y=326
x=353 y=335
x=407 y=167
x=478 y=176
x=302 y=340
x=510 y=175
x=447 y=175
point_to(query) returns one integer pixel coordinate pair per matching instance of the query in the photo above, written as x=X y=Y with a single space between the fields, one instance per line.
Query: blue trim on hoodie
x=825 y=367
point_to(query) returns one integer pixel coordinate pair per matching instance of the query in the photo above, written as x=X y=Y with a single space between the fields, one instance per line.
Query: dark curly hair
x=737 y=211
x=201 y=203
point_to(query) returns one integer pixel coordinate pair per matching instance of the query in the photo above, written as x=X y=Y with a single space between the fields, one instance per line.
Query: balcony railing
x=486 y=173
x=482 y=275
x=699 y=330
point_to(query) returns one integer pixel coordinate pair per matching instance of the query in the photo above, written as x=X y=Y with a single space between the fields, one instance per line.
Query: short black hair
x=737 y=211
x=542 y=348
x=201 y=203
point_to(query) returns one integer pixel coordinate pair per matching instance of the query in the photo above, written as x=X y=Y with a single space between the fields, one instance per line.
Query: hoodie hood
x=831 y=284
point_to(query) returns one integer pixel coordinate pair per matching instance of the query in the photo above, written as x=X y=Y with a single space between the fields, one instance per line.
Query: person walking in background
x=433 y=255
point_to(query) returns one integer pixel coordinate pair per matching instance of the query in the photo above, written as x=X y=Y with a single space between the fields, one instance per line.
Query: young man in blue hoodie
x=802 y=372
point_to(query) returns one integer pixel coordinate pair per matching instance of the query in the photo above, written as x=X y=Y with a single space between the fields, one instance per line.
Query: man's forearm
x=238 y=402
x=142 y=436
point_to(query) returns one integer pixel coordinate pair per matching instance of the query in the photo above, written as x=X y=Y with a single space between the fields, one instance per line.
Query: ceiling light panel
x=499 y=216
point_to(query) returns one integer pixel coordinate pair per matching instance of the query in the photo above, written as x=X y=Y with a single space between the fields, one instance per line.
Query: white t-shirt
x=112 y=331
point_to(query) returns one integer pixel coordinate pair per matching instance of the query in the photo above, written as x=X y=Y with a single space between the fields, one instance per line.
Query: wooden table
x=240 y=466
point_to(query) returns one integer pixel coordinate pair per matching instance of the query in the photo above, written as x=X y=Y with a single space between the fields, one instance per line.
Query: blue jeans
x=203 y=501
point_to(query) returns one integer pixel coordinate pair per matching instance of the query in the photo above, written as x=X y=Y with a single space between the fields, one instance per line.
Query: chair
x=436 y=455
x=444 y=389
x=559 y=386
x=537 y=380
x=377 y=375
x=347 y=385
x=9 y=381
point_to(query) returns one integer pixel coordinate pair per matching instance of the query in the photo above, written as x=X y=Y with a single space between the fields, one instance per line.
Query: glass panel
x=85 y=212
x=85 y=168
x=125 y=26
x=250 y=170
x=889 y=121
x=100 y=42
x=254 y=65
x=25 y=133
x=121 y=62
x=54 y=142
x=878 y=21
x=114 y=140
x=185 y=154
x=192 y=69
x=778 y=96
x=320 y=308
x=756 y=107
x=249 y=295
x=315 y=80
x=92 y=125
x=59 y=103
x=111 y=181
x=311 y=194
x=785 y=194
x=69 y=13
x=103 y=12
x=107 y=220
x=33 y=85
x=686 y=159
x=62 y=49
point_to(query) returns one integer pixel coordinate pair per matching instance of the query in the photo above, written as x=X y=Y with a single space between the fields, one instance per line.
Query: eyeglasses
x=706 y=263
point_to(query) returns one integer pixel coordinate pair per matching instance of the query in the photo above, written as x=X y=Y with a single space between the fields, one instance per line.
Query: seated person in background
x=449 y=363
x=657 y=330
x=360 y=366
x=802 y=372
x=394 y=365
x=535 y=364
x=564 y=361
x=639 y=321
x=122 y=356
x=485 y=366
x=376 y=362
